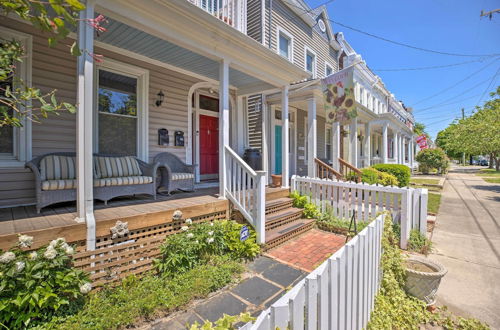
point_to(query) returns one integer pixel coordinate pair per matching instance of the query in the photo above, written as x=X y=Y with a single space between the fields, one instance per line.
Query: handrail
x=231 y=12
x=325 y=171
x=246 y=189
x=347 y=170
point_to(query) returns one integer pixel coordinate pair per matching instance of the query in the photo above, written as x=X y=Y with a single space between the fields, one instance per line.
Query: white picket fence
x=408 y=206
x=339 y=294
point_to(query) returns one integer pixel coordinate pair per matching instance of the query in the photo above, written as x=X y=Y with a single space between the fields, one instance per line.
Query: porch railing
x=349 y=171
x=246 y=189
x=325 y=171
x=232 y=12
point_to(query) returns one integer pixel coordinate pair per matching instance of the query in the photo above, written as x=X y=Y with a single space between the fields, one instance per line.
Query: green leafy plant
x=331 y=223
x=198 y=242
x=226 y=322
x=298 y=200
x=370 y=175
x=34 y=285
x=433 y=158
x=311 y=211
x=387 y=179
x=401 y=172
x=419 y=242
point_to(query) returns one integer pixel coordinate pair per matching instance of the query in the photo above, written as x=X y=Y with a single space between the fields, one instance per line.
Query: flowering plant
x=35 y=284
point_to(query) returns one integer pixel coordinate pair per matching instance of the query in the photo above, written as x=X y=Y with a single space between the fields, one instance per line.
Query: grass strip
x=434 y=202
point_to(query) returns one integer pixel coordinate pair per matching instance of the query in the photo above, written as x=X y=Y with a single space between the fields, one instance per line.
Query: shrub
x=387 y=179
x=369 y=175
x=198 y=242
x=298 y=200
x=337 y=225
x=401 y=172
x=434 y=158
x=311 y=211
x=34 y=285
x=419 y=242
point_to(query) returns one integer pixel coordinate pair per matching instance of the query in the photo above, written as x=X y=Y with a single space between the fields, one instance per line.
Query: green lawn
x=492 y=180
x=424 y=181
x=434 y=202
x=488 y=172
x=430 y=188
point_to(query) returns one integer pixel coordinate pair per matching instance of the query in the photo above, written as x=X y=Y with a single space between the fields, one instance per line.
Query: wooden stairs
x=283 y=221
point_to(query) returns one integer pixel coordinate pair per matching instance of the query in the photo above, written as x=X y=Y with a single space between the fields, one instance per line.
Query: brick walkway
x=309 y=250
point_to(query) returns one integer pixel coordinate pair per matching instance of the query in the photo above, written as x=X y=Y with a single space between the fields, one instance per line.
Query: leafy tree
x=443 y=141
x=18 y=99
x=419 y=129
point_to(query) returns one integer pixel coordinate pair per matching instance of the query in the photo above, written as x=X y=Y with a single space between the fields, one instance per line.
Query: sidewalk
x=466 y=240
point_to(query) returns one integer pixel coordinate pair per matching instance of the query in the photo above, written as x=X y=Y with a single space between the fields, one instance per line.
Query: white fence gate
x=339 y=294
x=408 y=206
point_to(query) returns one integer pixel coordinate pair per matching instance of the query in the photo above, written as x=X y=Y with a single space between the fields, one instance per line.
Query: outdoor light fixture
x=161 y=96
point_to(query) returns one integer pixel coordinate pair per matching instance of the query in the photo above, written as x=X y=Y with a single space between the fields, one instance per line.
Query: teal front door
x=277 y=149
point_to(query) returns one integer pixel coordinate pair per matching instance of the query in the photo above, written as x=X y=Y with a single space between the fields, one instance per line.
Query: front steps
x=283 y=221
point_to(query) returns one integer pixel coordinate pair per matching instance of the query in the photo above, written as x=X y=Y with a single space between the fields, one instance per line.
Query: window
x=310 y=62
x=122 y=108
x=15 y=142
x=285 y=44
x=328 y=69
x=328 y=143
x=209 y=103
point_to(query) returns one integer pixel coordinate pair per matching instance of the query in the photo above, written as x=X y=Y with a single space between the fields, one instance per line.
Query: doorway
x=209 y=146
x=277 y=148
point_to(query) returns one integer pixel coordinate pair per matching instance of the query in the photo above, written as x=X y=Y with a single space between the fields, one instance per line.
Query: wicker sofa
x=175 y=174
x=114 y=176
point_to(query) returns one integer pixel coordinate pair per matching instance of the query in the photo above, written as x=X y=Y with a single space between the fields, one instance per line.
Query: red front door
x=209 y=145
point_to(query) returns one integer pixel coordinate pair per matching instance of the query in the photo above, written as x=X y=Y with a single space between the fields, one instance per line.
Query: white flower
x=20 y=266
x=211 y=223
x=190 y=235
x=69 y=250
x=33 y=255
x=197 y=241
x=177 y=215
x=210 y=233
x=86 y=288
x=189 y=221
x=50 y=253
x=184 y=228
x=56 y=242
x=7 y=257
x=25 y=241
x=210 y=240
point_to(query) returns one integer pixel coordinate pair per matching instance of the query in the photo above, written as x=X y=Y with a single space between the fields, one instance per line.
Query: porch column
x=353 y=142
x=367 y=145
x=394 y=146
x=285 y=163
x=384 y=143
x=335 y=145
x=240 y=130
x=223 y=123
x=84 y=130
x=410 y=150
x=404 y=149
x=311 y=137
x=265 y=139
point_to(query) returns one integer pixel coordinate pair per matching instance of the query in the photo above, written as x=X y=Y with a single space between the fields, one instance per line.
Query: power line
x=440 y=105
x=430 y=67
x=456 y=84
x=488 y=87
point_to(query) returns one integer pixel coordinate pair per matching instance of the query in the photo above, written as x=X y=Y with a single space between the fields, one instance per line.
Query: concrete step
x=283 y=233
x=283 y=217
x=277 y=205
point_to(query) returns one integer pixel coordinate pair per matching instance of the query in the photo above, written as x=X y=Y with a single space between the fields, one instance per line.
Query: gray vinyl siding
x=254 y=19
x=301 y=167
x=303 y=35
x=320 y=137
x=55 y=68
x=254 y=112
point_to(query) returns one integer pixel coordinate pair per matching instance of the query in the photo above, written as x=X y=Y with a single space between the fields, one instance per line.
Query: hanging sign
x=244 y=233
x=422 y=142
x=338 y=96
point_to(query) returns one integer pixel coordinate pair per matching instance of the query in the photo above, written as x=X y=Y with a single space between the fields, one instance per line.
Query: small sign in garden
x=244 y=233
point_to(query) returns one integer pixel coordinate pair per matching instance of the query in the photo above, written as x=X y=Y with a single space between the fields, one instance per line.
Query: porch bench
x=114 y=176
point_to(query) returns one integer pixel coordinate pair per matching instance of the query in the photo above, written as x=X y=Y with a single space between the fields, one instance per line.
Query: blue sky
x=444 y=25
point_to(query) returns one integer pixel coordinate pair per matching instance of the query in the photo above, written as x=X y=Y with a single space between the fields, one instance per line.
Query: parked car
x=483 y=162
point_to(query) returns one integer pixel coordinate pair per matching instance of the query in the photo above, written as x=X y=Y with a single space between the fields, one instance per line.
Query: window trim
x=328 y=127
x=22 y=149
x=315 y=64
x=280 y=30
x=328 y=65
x=142 y=76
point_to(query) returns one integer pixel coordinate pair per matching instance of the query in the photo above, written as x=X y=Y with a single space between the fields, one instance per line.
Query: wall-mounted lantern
x=160 y=98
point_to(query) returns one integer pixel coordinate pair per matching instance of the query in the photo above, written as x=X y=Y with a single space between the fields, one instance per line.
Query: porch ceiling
x=142 y=43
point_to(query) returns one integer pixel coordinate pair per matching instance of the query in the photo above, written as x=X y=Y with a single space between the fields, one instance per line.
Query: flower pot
x=276 y=180
x=423 y=277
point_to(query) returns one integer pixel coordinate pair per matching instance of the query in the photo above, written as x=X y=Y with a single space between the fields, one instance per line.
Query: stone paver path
x=309 y=250
x=266 y=282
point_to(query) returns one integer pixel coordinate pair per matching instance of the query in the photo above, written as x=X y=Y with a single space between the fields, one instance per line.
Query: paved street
x=467 y=242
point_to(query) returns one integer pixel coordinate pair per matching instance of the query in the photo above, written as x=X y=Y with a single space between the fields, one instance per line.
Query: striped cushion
x=126 y=180
x=53 y=167
x=115 y=167
x=182 y=176
x=58 y=184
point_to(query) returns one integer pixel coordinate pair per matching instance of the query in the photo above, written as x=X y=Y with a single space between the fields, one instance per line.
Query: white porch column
x=410 y=149
x=223 y=123
x=239 y=131
x=404 y=149
x=384 y=143
x=285 y=163
x=265 y=139
x=353 y=142
x=84 y=130
x=367 y=146
x=335 y=145
x=311 y=136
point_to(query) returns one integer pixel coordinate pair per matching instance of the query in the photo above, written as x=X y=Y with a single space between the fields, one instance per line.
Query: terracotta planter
x=276 y=180
x=423 y=277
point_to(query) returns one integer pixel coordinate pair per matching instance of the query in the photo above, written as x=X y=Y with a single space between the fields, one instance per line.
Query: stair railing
x=246 y=189
x=349 y=172
x=325 y=171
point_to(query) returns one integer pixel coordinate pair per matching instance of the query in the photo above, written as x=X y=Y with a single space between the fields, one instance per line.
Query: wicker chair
x=175 y=174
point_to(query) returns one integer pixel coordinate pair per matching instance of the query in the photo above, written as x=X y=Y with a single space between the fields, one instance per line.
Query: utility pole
x=489 y=13
x=463 y=153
